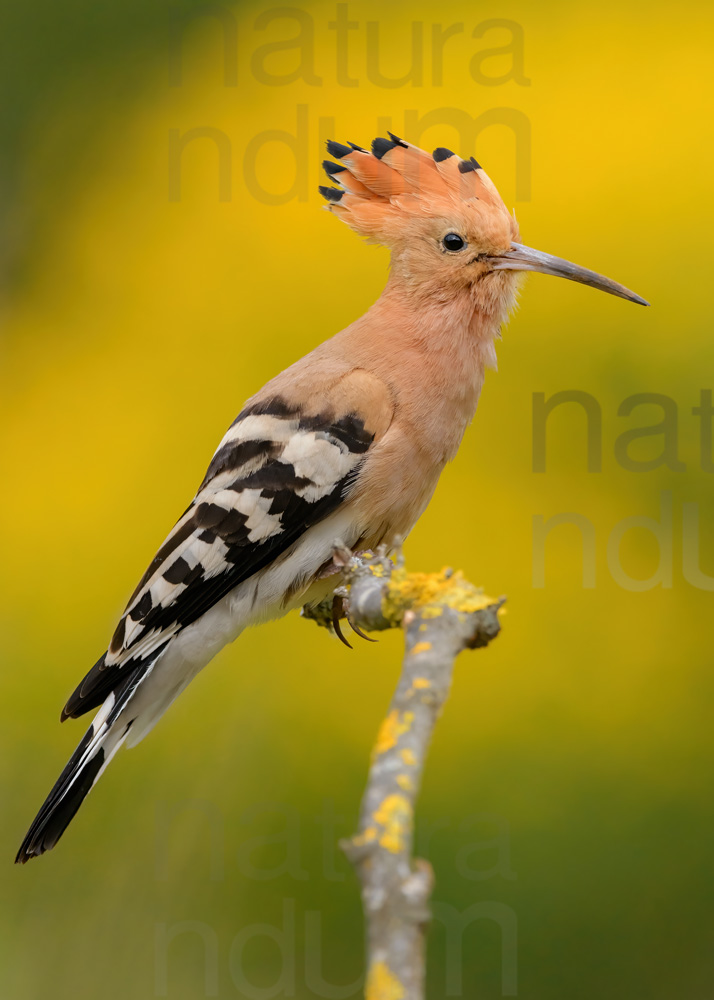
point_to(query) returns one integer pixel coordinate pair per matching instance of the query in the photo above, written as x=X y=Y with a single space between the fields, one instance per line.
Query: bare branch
x=441 y=614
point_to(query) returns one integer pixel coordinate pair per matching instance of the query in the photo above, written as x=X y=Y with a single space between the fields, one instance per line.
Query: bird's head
x=444 y=221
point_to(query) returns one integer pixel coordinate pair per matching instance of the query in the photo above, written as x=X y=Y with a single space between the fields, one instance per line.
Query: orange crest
x=383 y=190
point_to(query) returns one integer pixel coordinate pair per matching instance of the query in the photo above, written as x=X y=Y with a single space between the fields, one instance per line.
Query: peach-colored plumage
x=348 y=443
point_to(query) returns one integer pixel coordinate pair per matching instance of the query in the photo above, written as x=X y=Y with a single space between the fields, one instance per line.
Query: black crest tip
x=440 y=154
x=466 y=165
x=331 y=168
x=330 y=194
x=337 y=149
x=380 y=147
x=360 y=149
x=397 y=140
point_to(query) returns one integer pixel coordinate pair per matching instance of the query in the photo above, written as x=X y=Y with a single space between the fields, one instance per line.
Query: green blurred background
x=568 y=792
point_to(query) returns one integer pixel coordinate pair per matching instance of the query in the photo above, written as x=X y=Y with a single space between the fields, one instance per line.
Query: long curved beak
x=520 y=258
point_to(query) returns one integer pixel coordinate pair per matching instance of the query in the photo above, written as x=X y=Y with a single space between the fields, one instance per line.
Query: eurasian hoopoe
x=348 y=443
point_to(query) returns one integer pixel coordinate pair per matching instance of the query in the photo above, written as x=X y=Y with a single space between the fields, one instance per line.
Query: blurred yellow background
x=569 y=785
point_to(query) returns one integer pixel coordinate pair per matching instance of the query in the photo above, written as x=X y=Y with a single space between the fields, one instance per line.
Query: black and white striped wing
x=275 y=474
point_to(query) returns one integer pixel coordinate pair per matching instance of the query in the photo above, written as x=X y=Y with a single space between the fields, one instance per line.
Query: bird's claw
x=340 y=609
x=337 y=613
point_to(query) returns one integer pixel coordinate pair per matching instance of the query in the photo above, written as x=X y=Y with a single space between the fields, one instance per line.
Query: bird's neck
x=433 y=352
x=459 y=325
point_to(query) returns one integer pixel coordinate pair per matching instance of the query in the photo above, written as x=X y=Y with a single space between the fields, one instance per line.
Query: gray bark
x=441 y=615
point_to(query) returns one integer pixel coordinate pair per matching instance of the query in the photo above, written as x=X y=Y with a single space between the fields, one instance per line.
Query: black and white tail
x=107 y=733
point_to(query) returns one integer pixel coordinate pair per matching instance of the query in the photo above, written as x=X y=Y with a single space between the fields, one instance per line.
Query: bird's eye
x=453 y=242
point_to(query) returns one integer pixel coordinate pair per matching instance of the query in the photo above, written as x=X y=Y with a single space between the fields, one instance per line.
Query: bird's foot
x=340 y=610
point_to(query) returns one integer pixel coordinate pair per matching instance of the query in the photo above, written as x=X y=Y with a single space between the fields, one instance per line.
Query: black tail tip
x=24 y=855
x=35 y=844
x=61 y=805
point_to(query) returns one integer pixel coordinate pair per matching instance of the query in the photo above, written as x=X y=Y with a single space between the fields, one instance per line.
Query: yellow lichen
x=405 y=782
x=428 y=592
x=367 y=837
x=382 y=984
x=408 y=757
x=421 y=647
x=394 y=815
x=421 y=682
x=391 y=729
